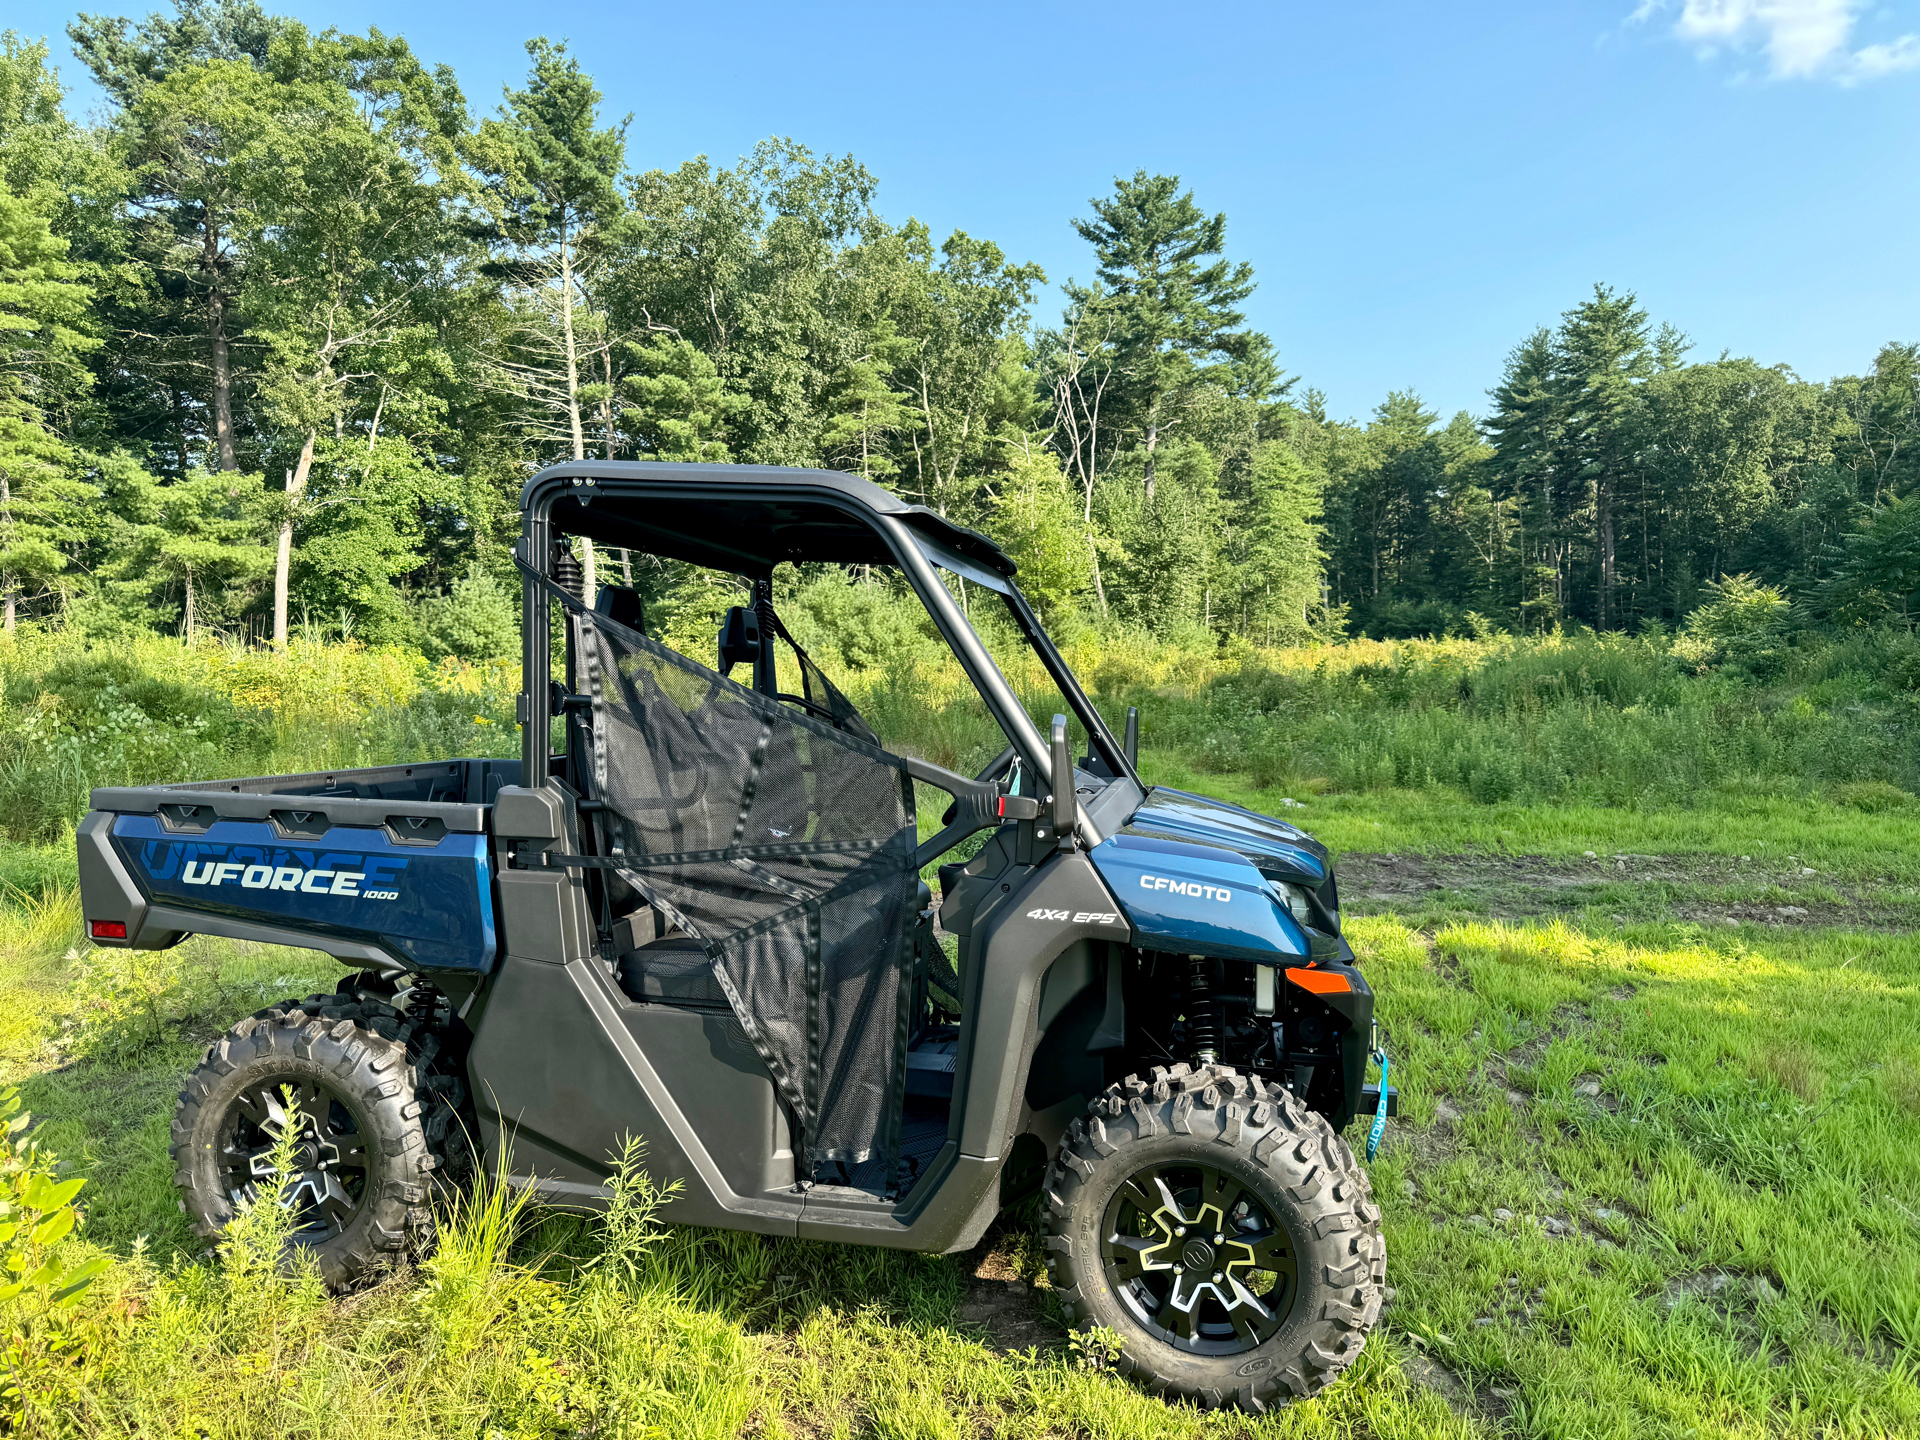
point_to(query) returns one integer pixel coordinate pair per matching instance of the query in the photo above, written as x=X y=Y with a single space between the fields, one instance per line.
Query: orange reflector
x=1321 y=983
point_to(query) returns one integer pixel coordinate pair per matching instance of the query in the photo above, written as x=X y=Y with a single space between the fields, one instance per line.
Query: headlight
x=1297 y=903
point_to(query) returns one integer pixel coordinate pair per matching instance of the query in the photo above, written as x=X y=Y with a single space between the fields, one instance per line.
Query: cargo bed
x=387 y=866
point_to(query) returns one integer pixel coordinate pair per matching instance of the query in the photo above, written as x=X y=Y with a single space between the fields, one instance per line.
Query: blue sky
x=1417 y=185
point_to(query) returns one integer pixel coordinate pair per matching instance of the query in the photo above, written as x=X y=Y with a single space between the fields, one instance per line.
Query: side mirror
x=1065 y=810
x=739 y=638
x=1131 y=740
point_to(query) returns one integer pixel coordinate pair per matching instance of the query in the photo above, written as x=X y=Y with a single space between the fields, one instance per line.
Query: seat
x=622 y=605
x=675 y=971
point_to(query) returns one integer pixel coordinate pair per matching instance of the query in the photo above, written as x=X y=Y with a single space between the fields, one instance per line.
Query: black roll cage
x=883 y=514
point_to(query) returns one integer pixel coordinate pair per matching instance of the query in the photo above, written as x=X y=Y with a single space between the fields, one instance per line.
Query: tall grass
x=148 y=709
x=1611 y=719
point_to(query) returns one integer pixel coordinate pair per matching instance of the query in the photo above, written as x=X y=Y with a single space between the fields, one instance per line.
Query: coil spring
x=1203 y=1011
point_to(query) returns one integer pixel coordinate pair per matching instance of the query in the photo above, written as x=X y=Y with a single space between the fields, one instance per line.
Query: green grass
x=1656 y=1173
x=1835 y=838
x=1751 y=1143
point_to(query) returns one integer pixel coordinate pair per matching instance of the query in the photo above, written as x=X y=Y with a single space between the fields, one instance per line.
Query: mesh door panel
x=787 y=847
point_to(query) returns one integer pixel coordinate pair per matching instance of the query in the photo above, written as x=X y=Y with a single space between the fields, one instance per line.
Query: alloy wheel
x=1198 y=1258
x=331 y=1163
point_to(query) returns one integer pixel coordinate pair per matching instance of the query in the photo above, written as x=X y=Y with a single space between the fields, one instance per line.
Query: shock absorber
x=567 y=572
x=1203 y=1011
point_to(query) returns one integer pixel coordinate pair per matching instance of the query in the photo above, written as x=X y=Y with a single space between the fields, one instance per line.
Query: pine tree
x=1602 y=355
x=553 y=170
x=1281 y=581
x=44 y=507
x=1174 y=321
x=188 y=98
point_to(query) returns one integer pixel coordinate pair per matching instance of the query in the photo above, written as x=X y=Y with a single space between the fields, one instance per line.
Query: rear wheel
x=1222 y=1230
x=373 y=1123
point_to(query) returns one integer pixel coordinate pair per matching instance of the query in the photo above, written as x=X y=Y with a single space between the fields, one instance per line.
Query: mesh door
x=787 y=847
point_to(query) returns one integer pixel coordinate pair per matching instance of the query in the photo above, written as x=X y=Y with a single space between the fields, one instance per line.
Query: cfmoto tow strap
x=1379 y=1128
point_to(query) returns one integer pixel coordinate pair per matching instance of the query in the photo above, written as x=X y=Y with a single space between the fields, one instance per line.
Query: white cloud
x=1802 y=39
x=1902 y=54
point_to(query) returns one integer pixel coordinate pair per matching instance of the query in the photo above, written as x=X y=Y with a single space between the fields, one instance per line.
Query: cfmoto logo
x=1187 y=888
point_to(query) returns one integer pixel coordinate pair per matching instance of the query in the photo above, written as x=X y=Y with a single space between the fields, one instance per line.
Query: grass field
x=1656 y=1172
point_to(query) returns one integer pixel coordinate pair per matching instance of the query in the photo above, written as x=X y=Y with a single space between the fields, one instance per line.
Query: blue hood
x=1272 y=846
x=1198 y=874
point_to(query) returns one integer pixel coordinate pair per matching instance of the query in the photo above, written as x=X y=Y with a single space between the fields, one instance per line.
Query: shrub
x=1875 y=797
x=38 y=1286
x=477 y=620
x=1743 y=623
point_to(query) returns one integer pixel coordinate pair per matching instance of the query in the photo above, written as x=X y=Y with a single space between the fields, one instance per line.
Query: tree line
x=284 y=332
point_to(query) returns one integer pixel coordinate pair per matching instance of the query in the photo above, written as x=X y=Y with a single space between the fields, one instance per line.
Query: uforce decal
x=378 y=878
x=1079 y=918
x=1186 y=888
x=282 y=878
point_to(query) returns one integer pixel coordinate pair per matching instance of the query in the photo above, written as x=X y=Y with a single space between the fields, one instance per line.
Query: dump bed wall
x=359 y=864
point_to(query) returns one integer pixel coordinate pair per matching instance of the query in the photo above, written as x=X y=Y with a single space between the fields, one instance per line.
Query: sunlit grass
x=1754 y=1121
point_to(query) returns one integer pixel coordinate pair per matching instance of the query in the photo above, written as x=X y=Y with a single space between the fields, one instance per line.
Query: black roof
x=739 y=518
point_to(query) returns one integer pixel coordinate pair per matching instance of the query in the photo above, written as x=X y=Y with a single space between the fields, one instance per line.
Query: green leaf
x=7 y=1228
x=44 y=1194
x=54 y=1227
x=79 y=1278
x=43 y=1276
x=10 y=1290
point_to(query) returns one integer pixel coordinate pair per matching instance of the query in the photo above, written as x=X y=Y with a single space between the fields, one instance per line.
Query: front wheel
x=1222 y=1230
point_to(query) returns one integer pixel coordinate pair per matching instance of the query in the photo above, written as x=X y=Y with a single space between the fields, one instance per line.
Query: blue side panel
x=430 y=905
x=1182 y=897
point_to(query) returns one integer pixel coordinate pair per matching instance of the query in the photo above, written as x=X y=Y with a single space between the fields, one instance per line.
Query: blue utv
x=692 y=911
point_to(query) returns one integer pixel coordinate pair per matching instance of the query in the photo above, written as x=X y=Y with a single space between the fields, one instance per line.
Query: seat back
x=622 y=605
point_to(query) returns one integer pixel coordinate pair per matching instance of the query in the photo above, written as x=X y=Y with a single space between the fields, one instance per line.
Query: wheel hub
x=1198 y=1258
x=328 y=1171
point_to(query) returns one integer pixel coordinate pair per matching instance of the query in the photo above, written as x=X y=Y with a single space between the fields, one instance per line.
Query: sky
x=1418 y=186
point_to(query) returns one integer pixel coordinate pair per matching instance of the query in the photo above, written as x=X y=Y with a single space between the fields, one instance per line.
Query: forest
x=283 y=333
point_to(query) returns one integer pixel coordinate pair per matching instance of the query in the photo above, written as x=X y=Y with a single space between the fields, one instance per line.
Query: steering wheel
x=996 y=768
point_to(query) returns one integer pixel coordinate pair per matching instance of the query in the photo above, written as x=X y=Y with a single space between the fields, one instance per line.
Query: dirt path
x=1706 y=889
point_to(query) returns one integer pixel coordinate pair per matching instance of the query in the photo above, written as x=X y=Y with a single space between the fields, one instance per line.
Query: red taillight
x=107 y=930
